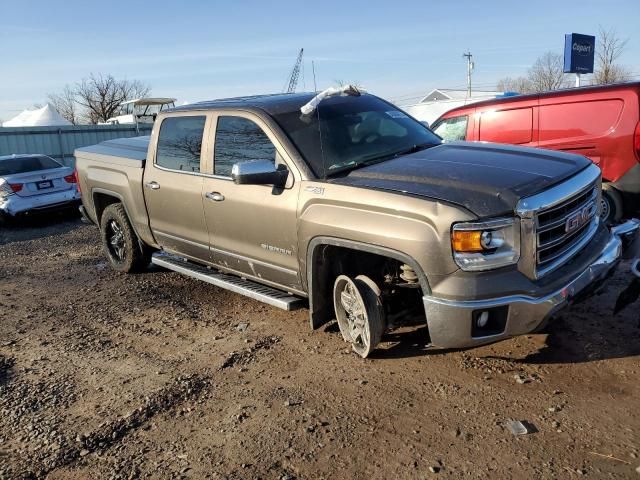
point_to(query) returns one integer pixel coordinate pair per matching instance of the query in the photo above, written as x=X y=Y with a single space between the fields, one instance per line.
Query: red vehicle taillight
x=73 y=178
x=16 y=187
x=636 y=141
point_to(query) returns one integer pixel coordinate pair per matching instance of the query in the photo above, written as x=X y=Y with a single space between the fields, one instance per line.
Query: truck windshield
x=353 y=132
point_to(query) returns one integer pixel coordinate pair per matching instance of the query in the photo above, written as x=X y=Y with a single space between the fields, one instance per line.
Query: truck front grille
x=563 y=229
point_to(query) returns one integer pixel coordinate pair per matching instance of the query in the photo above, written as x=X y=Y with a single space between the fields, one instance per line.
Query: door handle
x=215 y=196
x=152 y=185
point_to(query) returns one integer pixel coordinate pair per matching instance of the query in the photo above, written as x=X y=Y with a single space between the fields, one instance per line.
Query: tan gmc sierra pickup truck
x=344 y=201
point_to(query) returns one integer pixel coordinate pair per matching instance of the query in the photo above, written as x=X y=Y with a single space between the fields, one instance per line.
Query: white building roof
x=441 y=100
x=452 y=94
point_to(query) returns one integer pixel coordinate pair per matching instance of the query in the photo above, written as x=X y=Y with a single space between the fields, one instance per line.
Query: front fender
x=415 y=228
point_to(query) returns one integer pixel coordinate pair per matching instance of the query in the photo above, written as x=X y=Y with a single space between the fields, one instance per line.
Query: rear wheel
x=119 y=241
x=359 y=312
x=611 y=208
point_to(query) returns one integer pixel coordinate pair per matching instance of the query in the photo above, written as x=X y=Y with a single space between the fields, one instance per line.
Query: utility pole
x=469 y=58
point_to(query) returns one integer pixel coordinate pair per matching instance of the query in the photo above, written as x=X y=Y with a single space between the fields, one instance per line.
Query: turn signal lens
x=16 y=187
x=467 y=241
x=485 y=245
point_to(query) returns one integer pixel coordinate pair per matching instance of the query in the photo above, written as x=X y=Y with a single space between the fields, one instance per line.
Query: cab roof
x=271 y=103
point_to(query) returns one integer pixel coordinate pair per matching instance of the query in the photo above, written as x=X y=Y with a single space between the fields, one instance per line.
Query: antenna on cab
x=315 y=88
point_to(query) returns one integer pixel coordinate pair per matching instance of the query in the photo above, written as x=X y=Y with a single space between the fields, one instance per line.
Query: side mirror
x=426 y=124
x=259 y=172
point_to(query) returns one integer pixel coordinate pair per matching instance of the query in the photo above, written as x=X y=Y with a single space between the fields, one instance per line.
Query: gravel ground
x=106 y=375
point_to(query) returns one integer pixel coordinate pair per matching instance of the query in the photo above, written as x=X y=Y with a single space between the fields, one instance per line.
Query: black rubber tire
x=612 y=207
x=4 y=220
x=135 y=257
x=369 y=293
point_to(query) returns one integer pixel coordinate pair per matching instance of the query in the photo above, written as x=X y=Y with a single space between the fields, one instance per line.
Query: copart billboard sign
x=579 y=51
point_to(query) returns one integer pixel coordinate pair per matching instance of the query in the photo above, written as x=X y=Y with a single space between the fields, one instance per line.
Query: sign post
x=579 y=54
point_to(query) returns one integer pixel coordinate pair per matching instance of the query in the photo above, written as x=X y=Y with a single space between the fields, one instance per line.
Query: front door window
x=239 y=140
x=452 y=129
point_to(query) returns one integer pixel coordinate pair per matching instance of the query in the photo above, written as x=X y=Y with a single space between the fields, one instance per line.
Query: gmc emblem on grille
x=580 y=218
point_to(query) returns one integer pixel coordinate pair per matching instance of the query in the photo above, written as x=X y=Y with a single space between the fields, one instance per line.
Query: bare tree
x=65 y=103
x=100 y=95
x=517 y=84
x=547 y=73
x=608 y=51
x=97 y=98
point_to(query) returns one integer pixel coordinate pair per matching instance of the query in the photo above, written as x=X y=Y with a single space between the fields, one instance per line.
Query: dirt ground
x=106 y=375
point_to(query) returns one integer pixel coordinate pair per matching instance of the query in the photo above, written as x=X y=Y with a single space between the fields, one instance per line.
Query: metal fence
x=60 y=142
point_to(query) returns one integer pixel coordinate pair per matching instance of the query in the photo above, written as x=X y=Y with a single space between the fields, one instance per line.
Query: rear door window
x=451 y=129
x=507 y=126
x=239 y=140
x=180 y=143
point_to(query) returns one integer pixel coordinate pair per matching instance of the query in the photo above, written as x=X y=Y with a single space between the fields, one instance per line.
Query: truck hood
x=487 y=179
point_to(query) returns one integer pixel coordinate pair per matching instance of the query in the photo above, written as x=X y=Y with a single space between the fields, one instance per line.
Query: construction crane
x=295 y=73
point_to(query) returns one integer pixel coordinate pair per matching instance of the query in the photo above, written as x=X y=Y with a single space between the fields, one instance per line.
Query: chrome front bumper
x=451 y=322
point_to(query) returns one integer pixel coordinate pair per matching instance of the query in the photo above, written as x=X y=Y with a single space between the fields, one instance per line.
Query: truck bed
x=119 y=151
x=115 y=169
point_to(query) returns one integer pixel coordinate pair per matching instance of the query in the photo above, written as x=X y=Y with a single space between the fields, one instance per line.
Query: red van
x=601 y=123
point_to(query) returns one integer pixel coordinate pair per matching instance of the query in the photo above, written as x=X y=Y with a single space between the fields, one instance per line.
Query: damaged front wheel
x=359 y=312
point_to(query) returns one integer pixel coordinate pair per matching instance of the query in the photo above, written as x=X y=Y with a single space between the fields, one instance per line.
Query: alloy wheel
x=352 y=315
x=117 y=244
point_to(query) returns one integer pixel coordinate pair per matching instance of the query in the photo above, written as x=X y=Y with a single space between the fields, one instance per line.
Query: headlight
x=485 y=245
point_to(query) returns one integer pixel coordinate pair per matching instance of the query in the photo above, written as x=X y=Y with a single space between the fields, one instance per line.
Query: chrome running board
x=257 y=291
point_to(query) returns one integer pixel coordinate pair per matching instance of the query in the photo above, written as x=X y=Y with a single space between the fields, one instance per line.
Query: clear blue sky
x=197 y=50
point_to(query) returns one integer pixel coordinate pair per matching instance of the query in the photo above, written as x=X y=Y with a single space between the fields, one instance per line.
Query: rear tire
x=3 y=219
x=611 y=207
x=120 y=243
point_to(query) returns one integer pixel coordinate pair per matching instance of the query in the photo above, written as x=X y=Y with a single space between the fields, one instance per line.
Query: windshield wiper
x=413 y=149
x=379 y=158
x=389 y=156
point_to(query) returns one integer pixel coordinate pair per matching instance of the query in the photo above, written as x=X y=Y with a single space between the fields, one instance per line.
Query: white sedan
x=31 y=183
